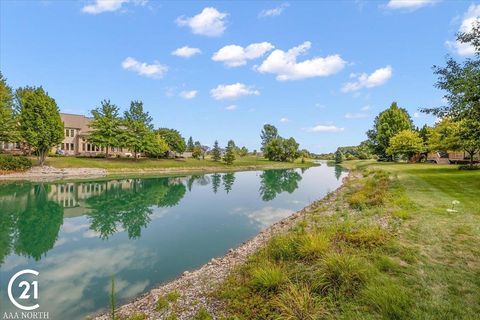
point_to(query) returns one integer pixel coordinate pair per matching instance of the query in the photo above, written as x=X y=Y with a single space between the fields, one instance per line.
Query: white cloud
x=417 y=115
x=409 y=4
x=358 y=115
x=99 y=6
x=285 y=65
x=154 y=70
x=235 y=56
x=325 y=128
x=377 y=78
x=465 y=49
x=210 y=22
x=188 y=94
x=274 y=11
x=366 y=108
x=284 y=120
x=186 y=52
x=232 y=91
x=231 y=107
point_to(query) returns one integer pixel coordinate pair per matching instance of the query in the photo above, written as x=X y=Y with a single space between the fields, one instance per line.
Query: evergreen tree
x=8 y=124
x=138 y=128
x=190 y=145
x=338 y=156
x=229 y=156
x=40 y=123
x=216 y=154
x=106 y=126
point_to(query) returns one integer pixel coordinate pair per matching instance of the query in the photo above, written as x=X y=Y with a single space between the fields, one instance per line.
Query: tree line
x=458 y=126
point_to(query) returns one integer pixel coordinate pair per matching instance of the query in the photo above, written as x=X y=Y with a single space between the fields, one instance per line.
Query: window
x=88 y=146
x=83 y=146
x=67 y=132
x=72 y=146
x=72 y=132
x=17 y=145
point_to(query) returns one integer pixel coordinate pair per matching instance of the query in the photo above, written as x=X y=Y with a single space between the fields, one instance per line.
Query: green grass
x=124 y=164
x=389 y=249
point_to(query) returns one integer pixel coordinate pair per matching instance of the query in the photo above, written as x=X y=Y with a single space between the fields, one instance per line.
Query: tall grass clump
x=298 y=302
x=267 y=278
x=370 y=191
x=341 y=274
x=313 y=246
x=283 y=247
x=368 y=236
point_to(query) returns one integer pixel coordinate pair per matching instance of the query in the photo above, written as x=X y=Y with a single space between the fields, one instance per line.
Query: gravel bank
x=46 y=173
x=195 y=287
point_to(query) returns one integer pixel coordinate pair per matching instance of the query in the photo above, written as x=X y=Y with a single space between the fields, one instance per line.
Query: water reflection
x=33 y=213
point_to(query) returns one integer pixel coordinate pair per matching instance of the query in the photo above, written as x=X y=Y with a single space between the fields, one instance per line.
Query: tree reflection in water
x=228 y=181
x=274 y=182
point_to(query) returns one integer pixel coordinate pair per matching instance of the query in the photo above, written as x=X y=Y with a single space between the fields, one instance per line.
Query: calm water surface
x=143 y=231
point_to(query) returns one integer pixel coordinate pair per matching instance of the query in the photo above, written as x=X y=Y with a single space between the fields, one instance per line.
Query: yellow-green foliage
x=172 y=296
x=366 y=236
x=138 y=316
x=267 y=278
x=162 y=304
x=202 y=314
x=313 y=246
x=370 y=191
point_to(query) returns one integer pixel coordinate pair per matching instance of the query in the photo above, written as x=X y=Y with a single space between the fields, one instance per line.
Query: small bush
x=202 y=314
x=313 y=246
x=341 y=274
x=298 y=302
x=469 y=167
x=14 y=163
x=138 y=316
x=267 y=278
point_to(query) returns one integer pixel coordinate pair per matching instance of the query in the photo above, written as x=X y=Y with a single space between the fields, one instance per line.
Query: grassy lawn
x=386 y=247
x=122 y=164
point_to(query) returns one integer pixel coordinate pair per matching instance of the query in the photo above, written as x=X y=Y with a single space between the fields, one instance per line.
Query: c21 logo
x=29 y=288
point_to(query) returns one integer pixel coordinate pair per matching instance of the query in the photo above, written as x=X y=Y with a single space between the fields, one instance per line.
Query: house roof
x=76 y=121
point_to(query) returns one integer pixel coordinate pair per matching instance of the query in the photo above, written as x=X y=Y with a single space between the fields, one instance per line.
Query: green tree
x=197 y=152
x=106 y=126
x=280 y=149
x=406 y=142
x=461 y=83
x=137 y=135
x=269 y=132
x=387 y=124
x=229 y=156
x=243 y=151
x=40 y=124
x=8 y=123
x=173 y=138
x=158 y=146
x=339 y=156
x=190 y=144
x=216 y=154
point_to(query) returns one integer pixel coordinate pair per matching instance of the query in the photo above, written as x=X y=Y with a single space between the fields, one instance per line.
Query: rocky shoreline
x=46 y=173
x=196 y=287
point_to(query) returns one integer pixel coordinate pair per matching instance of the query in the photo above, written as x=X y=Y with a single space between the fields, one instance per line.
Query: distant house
x=75 y=141
x=448 y=157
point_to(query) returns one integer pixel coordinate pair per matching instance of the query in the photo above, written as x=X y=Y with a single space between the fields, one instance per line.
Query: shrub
x=313 y=246
x=298 y=302
x=138 y=316
x=172 y=296
x=341 y=274
x=469 y=167
x=267 y=278
x=371 y=192
x=14 y=163
x=202 y=314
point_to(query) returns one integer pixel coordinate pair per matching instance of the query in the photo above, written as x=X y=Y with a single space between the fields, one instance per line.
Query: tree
x=243 y=151
x=190 y=144
x=106 y=126
x=197 y=152
x=173 y=138
x=158 y=146
x=40 y=123
x=216 y=154
x=8 y=123
x=138 y=128
x=339 y=156
x=406 y=142
x=280 y=149
x=229 y=156
x=387 y=124
x=269 y=132
x=461 y=83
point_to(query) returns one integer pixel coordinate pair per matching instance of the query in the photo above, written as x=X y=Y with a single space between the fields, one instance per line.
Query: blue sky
x=319 y=71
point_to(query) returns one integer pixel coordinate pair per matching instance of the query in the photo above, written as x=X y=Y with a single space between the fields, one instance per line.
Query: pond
x=144 y=231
